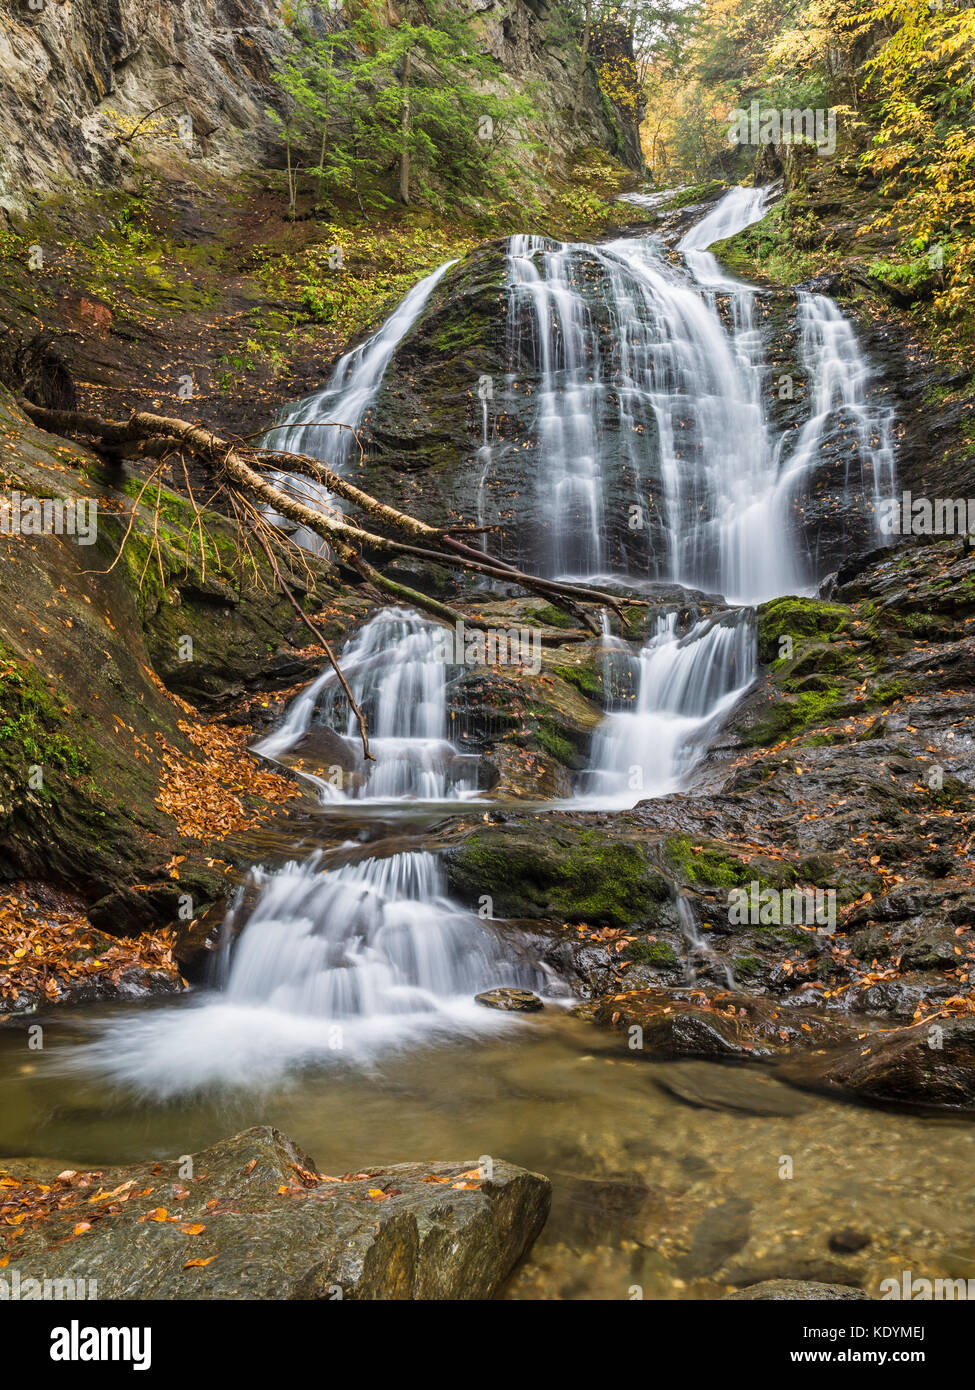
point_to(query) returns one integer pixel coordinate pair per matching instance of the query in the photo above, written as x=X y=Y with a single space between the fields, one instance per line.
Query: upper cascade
x=651 y=434
x=325 y=423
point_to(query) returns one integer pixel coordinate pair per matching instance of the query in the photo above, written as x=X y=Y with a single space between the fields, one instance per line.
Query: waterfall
x=331 y=967
x=371 y=939
x=343 y=403
x=737 y=210
x=679 y=689
x=652 y=455
x=649 y=441
x=397 y=668
x=566 y=418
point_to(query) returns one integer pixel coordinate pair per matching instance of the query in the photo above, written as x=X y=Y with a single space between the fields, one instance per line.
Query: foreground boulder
x=255 y=1220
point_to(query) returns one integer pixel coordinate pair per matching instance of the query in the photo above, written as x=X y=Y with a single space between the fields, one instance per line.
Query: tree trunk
x=584 y=60
x=404 y=163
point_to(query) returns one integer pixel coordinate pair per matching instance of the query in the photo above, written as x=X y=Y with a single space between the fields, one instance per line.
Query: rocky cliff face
x=77 y=79
x=193 y=79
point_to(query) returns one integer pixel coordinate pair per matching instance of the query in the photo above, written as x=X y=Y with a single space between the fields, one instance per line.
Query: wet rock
x=404 y=1231
x=518 y=774
x=931 y=1065
x=557 y=872
x=519 y=1001
x=686 y=1023
x=899 y=998
x=324 y=748
x=591 y=1206
x=796 y=1291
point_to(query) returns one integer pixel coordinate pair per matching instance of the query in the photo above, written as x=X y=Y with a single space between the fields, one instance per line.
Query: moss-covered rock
x=795 y=618
x=572 y=875
x=707 y=865
x=85 y=719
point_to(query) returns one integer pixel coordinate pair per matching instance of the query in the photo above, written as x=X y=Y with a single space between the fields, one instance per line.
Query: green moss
x=798 y=617
x=551 y=617
x=555 y=743
x=696 y=193
x=578 y=877
x=776 y=247
x=793 y=713
x=657 y=953
x=888 y=692
x=706 y=866
x=585 y=679
x=33 y=725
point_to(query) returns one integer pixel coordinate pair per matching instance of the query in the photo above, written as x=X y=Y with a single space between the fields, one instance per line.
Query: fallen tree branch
x=237 y=465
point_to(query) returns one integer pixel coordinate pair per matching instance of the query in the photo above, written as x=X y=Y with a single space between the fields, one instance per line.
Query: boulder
x=519 y=1001
x=564 y=873
x=930 y=1065
x=257 y=1221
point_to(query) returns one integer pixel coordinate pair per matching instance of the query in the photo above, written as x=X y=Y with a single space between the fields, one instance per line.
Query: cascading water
x=729 y=488
x=650 y=440
x=737 y=210
x=647 y=409
x=397 y=670
x=331 y=965
x=375 y=938
x=680 y=687
x=338 y=409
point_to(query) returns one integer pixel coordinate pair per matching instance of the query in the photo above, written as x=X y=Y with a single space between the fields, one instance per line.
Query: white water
x=331 y=967
x=737 y=210
x=679 y=690
x=731 y=489
x=650 y=412
x=396 y=671
x=339 y=408
x=341 y=965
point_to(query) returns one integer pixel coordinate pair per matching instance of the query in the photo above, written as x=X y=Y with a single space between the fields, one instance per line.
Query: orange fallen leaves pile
x=43 y=952
x=67 y=1196
x=205 y=795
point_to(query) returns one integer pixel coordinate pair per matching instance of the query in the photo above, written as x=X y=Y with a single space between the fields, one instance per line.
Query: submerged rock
x=520 y=1001
x=746 y=1091
x=257 y=1221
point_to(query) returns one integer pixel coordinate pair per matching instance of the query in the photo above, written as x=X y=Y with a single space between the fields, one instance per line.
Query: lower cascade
x=330 y=966
x=375 y=938
x=668 y=698
x=396 y=667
